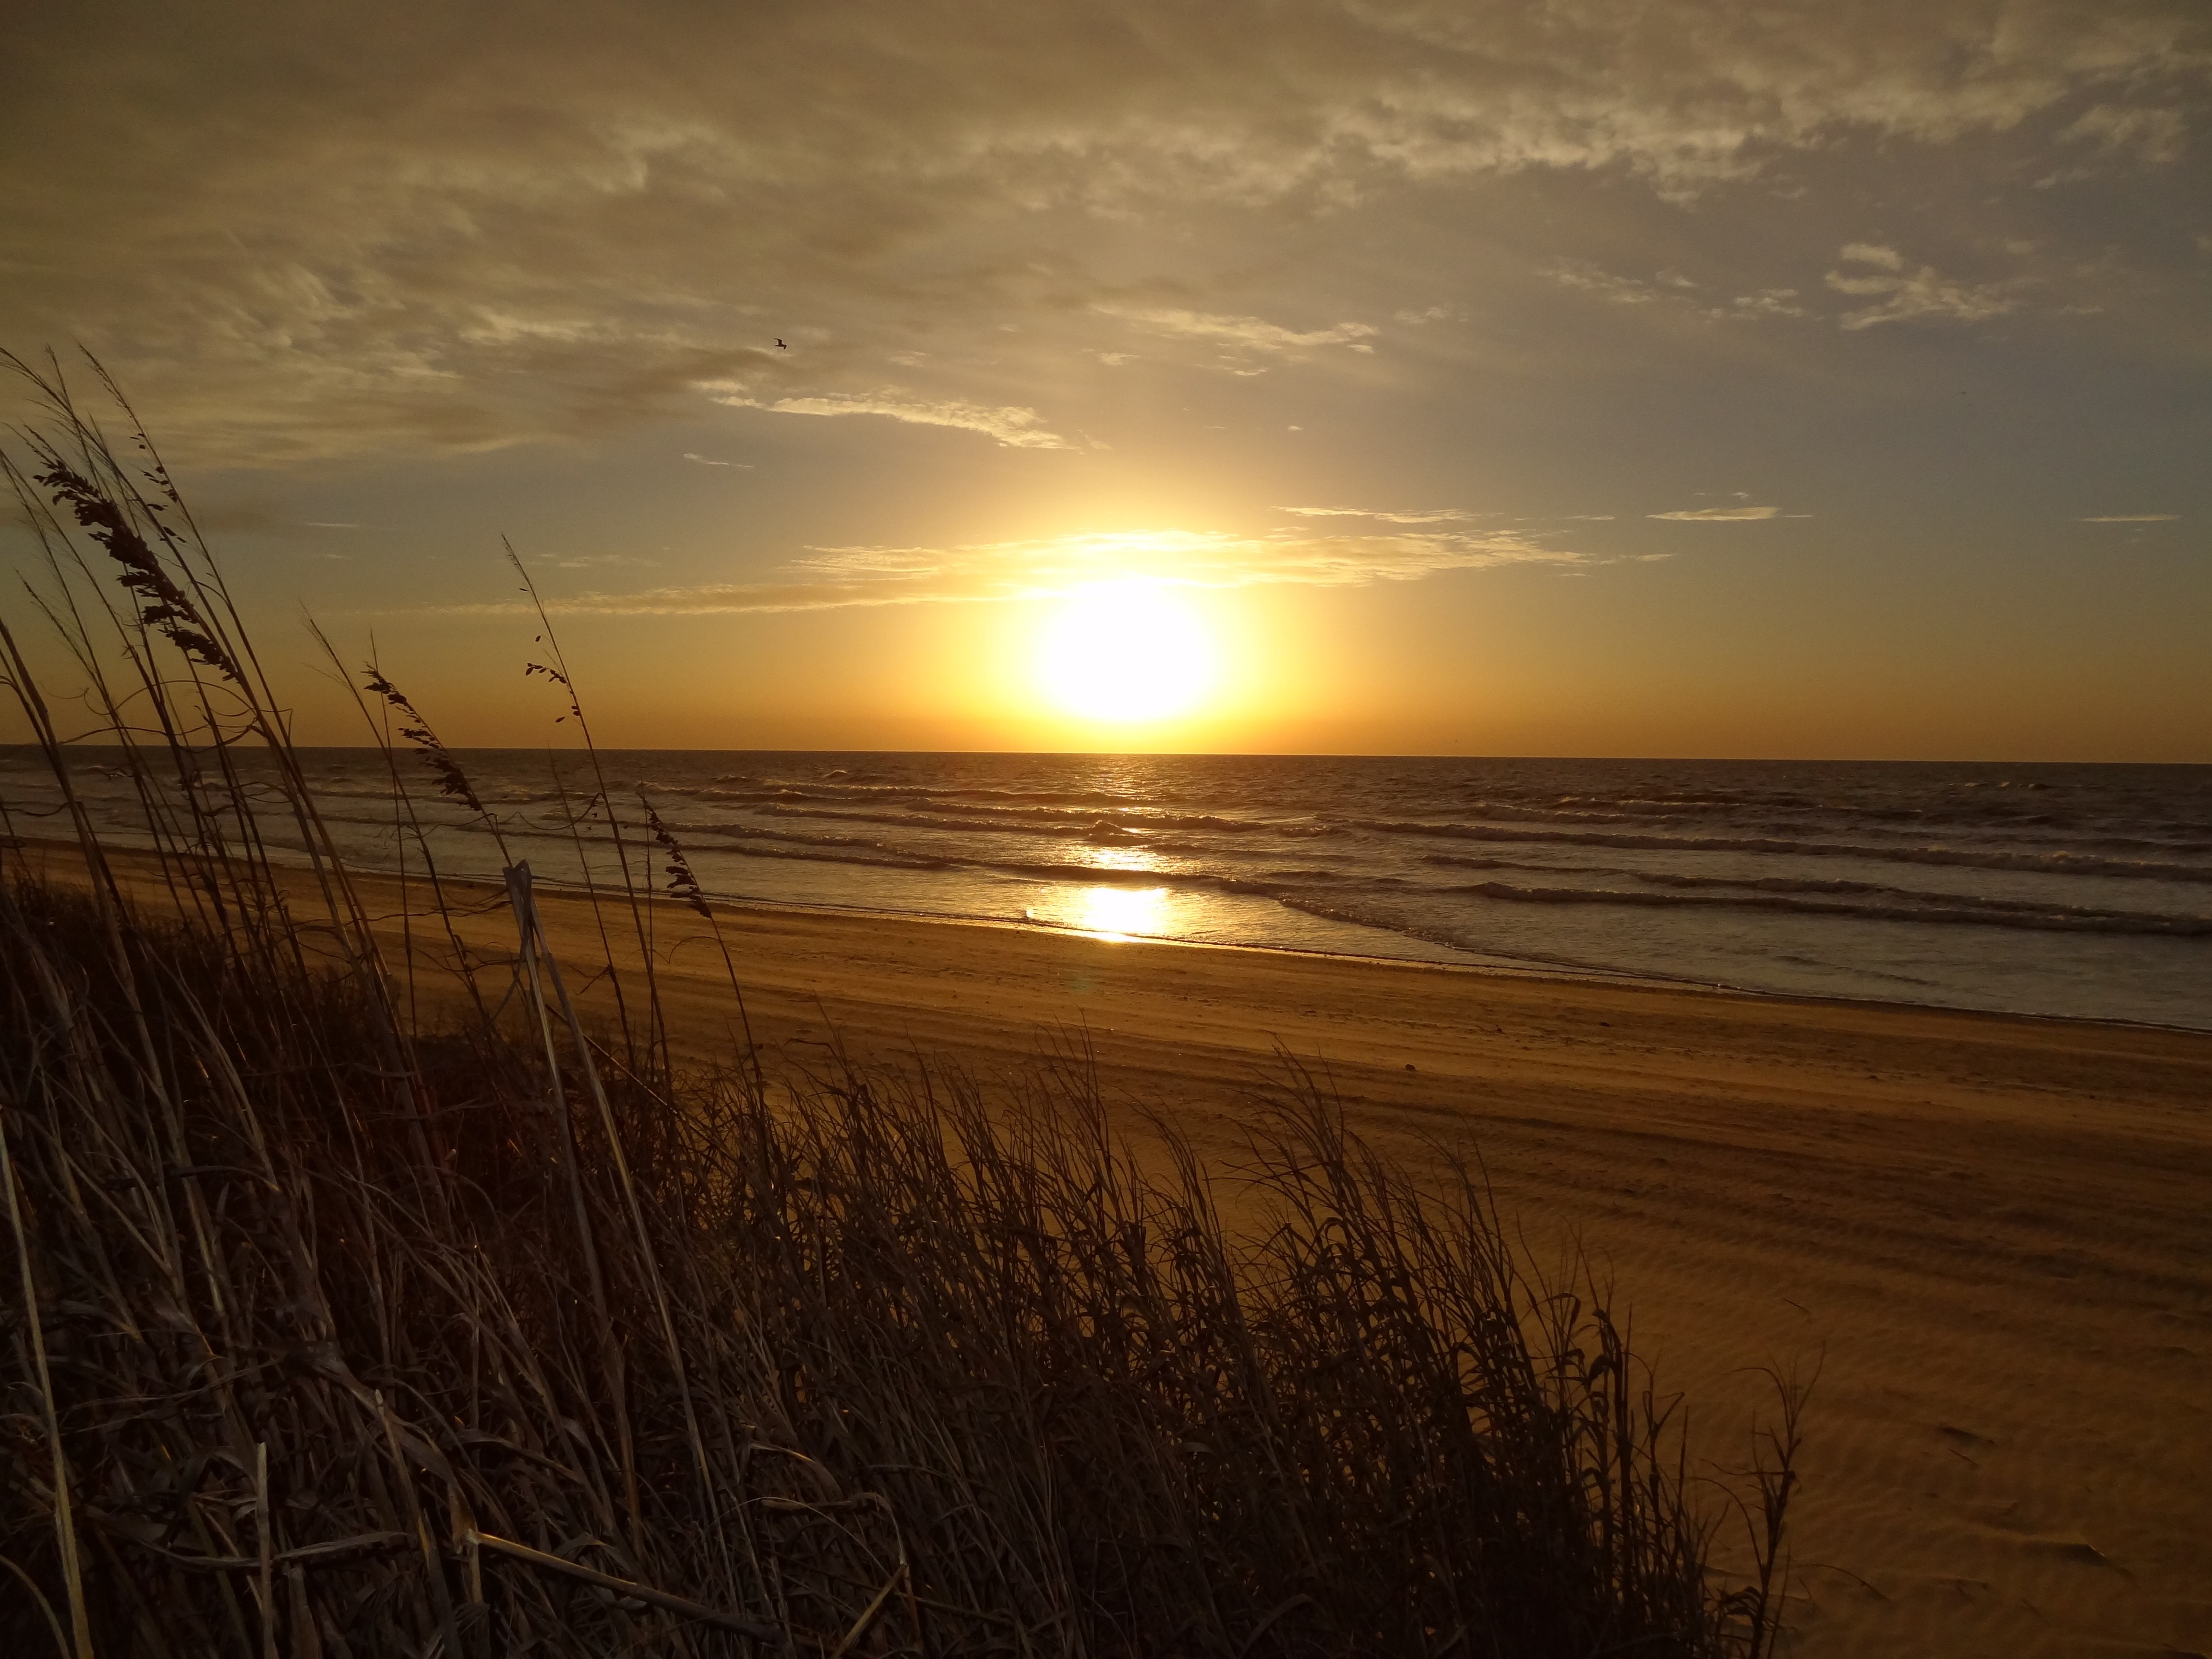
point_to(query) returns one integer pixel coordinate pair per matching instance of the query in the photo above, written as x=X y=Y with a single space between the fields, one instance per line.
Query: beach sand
x=1991 y=1238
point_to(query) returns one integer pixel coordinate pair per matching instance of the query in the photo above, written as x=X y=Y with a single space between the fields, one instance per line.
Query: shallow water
x=2082 y=890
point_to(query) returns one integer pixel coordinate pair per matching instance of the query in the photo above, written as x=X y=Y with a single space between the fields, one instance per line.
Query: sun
x=1127 y=652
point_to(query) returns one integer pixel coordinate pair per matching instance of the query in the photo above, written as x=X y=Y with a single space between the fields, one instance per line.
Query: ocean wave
x=1384 y=922
x=1835 y=887
x=2046 y=863
x=1801 y=813
x=1478 y=862
x=1063 y=826
x=1865 y=901
x=884 y=860
x=953 y=818
x=829 y=790
x=2051 y=919
x=703 y=838
x=1336 y=909
x=748 y=842
x=947 y=811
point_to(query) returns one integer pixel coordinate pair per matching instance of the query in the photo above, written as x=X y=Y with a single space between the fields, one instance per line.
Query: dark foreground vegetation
x=333 y=1328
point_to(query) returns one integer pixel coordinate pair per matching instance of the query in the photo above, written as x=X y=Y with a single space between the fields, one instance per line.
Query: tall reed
x=334 y=1331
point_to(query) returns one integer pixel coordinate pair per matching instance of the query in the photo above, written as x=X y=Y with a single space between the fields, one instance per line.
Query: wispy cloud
x=1674 y=290
x=1872 y=271
x=706 y=460
x=568 y=230
x=1588 y=278
x=1872 y=254
x=1720 y=514
x=1421 y=515
x=1766 y=302
x=1011 y=424
x=593 y=561
x=829 y=578
x=1244 y=334
x=2131 y=518
x=2154 y=134
x=1900 y=295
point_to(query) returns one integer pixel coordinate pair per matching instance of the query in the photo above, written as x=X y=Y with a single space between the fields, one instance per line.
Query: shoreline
x=739 y=904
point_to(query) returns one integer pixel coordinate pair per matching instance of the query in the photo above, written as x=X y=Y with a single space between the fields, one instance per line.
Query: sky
x=1686 y=377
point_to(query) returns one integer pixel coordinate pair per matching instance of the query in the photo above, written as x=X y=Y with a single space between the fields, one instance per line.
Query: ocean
x=2067 y=890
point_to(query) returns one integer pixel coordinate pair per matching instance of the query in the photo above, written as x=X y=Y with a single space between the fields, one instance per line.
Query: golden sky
x=1692 y=378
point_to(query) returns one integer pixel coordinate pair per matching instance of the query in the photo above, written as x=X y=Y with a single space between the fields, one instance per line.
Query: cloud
x=1902 y=296
x=1581 y=274
x=830 y=578
x=1243 y=334
x=298 y=239
x=1423 y=515
x=1767 y=303
x=2131 y=518
x=593 y=561
x=2154 y=136
x=1674 y=290
x=704 y=460
x=1015 y=427
x=243 y=516
x=1718 y=515
x=1872 y=254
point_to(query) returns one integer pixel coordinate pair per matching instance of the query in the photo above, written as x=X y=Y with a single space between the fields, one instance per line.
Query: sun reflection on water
x=1110 y=912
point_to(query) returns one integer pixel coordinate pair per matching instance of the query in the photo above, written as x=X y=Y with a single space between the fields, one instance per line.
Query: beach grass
x=348 y=1314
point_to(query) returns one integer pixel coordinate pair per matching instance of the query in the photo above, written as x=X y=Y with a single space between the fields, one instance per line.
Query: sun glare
x=1126 y=652
x=1112 y=913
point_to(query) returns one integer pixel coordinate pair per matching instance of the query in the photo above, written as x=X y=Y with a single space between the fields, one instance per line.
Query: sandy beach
x=1989 y=1236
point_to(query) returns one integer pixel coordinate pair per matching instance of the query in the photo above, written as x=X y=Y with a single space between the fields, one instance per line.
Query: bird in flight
x=780 y=346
